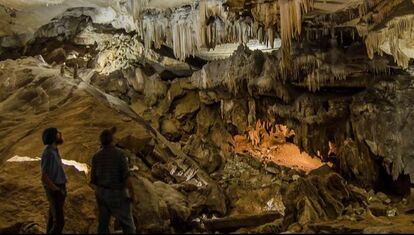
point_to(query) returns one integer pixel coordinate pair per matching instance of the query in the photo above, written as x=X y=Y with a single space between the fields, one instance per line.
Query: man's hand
x=93 y=187
x=49 y=183
x=132 y=197
x=63 y=192
x=132 y=200
x=130 y=189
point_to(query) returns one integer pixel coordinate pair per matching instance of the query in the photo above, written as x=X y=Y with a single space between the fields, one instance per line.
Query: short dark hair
x=49 y=135
x=106 y=137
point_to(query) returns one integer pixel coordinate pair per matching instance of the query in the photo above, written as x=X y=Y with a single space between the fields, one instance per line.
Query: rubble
x=233 y=223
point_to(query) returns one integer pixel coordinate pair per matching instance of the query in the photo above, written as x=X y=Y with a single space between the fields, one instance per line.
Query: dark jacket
x=110 y=168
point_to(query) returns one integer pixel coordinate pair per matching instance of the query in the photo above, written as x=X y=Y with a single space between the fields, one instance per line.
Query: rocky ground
x=202 y=160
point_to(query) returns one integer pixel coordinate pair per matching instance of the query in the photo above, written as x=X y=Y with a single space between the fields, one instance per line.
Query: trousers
x=113 y=202
x=56 y=217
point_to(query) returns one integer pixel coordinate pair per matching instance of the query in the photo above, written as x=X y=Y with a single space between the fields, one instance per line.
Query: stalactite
x=135 y=8
x=378 y=11
x=384 y=9
x=373 y=41
x=306 y=63
x=313 y=81
x=291 y=24
x=266 y=13
x=317 y=68
x=188 y=30
x=286 y=22
x=207 y=24
x=400 y=27
x=338 y=72
x=379 y=66
x=208 y=9
x=363 y=8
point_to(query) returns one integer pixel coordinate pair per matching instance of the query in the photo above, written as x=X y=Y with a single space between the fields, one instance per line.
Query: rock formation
x=236 y=116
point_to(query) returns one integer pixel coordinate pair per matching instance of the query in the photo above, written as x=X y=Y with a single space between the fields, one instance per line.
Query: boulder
x=176 y=89
x=137 y=144
x=205 y=153
x=205 y=119
x=170 y=129
x=186 y=105
x=150 y=210
x=207 y=200
x=113 y=83
x=356 y=165
x=315 y=197
x=136 y=79
x=58 y=56
x=154 y=90
x=235 y=112
x=209 y=97
x=177 y=203
x=323 y=170
x=378 y=209
x=383 y=197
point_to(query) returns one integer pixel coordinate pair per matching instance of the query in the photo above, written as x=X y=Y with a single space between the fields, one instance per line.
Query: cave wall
x=369 y=119
x=330 y=92
x=382 y=119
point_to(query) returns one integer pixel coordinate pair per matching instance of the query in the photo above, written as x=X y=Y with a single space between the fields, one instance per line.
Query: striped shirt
x=109 y=168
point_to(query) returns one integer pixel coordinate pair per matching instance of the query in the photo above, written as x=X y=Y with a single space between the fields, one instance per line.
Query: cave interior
x=245 y=116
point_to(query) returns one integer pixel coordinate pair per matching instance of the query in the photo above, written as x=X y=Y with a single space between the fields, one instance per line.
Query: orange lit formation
x=268 y=142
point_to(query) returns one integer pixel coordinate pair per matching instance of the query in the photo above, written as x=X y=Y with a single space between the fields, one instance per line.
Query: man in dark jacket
x=53 y=179
x=113 y=189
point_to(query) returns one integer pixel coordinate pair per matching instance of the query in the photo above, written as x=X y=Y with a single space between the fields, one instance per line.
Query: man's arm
x=48 y=182
x=92 y=183
x=131 y=189
x=127 y=176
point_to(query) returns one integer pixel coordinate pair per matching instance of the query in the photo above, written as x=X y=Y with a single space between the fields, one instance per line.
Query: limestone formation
x=276 y=116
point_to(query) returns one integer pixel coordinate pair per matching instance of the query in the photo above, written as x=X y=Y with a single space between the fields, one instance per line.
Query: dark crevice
x=192 y=60
x=401 y=187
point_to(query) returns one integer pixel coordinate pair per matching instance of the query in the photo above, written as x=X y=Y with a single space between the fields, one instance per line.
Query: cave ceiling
x=194 y=27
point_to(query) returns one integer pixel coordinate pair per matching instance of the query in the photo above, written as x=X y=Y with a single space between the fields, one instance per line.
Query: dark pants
x=115 y=203
x=56 y=219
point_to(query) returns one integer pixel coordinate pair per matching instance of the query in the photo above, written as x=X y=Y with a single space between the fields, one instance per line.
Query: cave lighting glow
x=79 y=166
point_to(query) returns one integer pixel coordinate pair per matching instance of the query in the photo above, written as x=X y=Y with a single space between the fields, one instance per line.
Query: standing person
x=53 y=179
x=113 y=188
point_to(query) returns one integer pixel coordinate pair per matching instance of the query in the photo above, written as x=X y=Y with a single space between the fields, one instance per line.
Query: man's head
x=107 y=136
x=52 y=136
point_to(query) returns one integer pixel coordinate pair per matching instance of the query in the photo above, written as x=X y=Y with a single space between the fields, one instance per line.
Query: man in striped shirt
x=113 y=189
